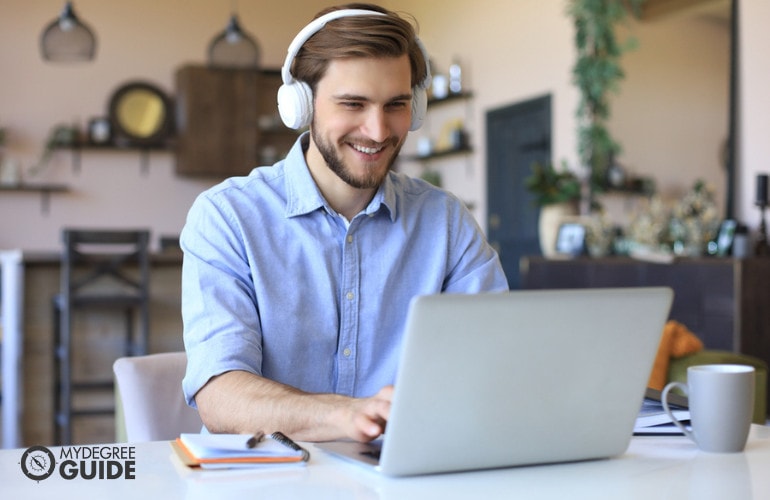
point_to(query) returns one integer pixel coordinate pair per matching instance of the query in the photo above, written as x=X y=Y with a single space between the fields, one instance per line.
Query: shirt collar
x=303 y=195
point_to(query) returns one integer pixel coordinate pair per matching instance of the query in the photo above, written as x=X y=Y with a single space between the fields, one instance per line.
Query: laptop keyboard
x=373 y=450
x=375 y=454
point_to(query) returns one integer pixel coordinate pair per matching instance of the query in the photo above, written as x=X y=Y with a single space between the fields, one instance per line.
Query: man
x=297 y=278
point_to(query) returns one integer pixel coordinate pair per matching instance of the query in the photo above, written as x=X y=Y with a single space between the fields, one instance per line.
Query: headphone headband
x=311 y=29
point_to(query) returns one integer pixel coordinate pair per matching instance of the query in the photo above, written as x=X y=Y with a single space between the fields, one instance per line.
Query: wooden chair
x=105 y=270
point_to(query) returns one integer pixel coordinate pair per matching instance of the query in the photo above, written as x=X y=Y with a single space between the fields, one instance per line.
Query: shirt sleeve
x=476 y=267
x=219 y=310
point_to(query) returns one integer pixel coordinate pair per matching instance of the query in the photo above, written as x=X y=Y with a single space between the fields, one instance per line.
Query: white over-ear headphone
x=295 y=99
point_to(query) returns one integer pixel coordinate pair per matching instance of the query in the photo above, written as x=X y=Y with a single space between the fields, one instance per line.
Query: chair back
x=101 y=271
x=103 y=265
x=149 y=403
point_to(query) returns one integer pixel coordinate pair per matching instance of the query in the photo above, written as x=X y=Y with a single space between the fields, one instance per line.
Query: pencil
x=256 y=438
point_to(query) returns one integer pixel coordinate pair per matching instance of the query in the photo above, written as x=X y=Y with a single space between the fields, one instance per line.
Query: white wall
x=671 y=114
x=511 y=50
x=754 y=120
x=141 y=39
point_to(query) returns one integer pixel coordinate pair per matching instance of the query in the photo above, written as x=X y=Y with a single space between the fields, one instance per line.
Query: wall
x=141 y=39
x=671 y=113
x=148 y=40
x=512 y=51
x=754 y=119
x=672 y=108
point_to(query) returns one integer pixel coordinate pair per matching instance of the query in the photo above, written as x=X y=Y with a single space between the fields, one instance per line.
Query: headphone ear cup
x=419 y=107
x=295 y=104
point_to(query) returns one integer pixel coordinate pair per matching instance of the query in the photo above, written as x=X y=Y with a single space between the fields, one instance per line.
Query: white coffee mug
x=721 y=403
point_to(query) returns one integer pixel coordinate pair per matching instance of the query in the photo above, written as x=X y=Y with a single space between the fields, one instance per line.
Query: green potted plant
x=551 y=186
x=556 y=192
x=597 y=73
x=60 y=135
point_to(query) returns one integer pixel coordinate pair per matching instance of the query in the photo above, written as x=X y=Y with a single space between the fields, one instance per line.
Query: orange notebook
x=232 y=450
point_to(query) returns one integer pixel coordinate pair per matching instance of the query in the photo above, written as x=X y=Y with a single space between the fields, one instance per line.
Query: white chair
x=149 y=405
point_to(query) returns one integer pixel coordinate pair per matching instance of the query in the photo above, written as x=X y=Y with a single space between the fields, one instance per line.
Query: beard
x=371 y=179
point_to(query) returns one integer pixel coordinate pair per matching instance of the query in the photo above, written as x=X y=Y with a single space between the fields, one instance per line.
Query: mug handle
x=664 y=400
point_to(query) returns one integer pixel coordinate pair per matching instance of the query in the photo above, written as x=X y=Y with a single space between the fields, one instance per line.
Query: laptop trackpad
x=368 y=453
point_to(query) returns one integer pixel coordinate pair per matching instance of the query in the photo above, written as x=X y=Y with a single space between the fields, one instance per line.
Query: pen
x=256 y=438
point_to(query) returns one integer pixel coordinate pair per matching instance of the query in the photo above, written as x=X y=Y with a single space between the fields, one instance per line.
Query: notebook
x=653 y=419
x=225 y=451
x=517 y=378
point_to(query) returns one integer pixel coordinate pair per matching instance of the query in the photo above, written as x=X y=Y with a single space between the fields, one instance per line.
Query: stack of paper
x=235 y=450
x=653 y=419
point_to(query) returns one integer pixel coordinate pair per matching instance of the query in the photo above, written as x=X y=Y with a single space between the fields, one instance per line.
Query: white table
x=652 y=468
x=11 y=310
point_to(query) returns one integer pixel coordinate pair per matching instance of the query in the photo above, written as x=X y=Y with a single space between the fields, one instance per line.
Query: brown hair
x=358 y=36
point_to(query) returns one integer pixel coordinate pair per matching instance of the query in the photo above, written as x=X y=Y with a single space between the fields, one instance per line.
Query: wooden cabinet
x=227 y=121
x=726 y=302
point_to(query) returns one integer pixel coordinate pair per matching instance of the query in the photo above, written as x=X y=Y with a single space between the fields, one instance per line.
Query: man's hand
x=241 y=402
x=370 y=415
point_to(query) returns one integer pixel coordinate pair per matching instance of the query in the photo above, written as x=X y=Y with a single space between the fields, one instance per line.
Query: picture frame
x=571 y=239
x=140 y=115
x=99 y=131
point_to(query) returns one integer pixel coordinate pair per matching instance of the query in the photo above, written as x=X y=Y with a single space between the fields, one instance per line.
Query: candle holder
x=761 y=247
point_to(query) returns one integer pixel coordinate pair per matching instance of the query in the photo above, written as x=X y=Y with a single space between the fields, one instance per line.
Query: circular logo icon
x=37 y=463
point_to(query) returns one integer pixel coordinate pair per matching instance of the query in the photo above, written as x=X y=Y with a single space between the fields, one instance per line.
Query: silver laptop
x=517 y=378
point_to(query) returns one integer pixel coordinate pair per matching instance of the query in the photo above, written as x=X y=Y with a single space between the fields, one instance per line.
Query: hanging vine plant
x=597 y=73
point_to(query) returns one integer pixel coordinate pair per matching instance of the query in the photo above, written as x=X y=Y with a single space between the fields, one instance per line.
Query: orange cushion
x=677 y=341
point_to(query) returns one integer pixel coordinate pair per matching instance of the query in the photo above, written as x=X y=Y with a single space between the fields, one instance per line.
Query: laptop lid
x=518 y=378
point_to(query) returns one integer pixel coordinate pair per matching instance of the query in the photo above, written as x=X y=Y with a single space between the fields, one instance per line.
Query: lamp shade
x=67 y=39
x=234 y=48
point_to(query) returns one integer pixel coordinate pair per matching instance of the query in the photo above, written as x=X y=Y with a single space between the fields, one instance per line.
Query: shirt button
x=346 y=352
x=350 y=295
x=350 y=238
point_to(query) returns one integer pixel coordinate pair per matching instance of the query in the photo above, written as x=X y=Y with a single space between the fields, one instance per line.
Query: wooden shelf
x=45 y=191
x=450 y=98
x=128 y=148
x=440 y=154
x=48 y=188
x=143 y=149
x=444 y=153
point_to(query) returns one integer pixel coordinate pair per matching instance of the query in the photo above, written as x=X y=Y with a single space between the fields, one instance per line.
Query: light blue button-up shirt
x=276 y=283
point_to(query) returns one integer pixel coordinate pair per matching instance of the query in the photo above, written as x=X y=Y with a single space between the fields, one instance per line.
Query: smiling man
x=362 y=113
x=298 y=277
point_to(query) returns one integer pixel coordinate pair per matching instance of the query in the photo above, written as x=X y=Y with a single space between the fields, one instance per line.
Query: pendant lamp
x=67 y=39
x=234 y=48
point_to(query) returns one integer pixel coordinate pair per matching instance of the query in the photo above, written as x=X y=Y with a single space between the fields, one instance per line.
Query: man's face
x=361 y=116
